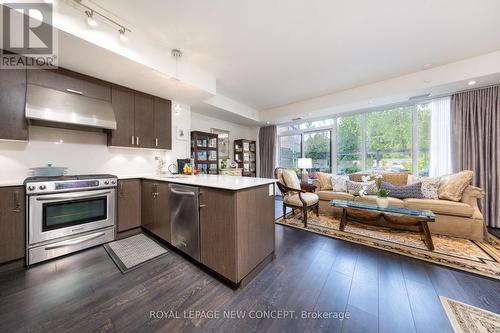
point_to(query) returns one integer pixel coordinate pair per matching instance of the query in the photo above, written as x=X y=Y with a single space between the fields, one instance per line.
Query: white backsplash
x=85 y=152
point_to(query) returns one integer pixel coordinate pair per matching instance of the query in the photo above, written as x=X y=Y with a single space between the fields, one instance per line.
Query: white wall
x=86 y=152
x=201 y=122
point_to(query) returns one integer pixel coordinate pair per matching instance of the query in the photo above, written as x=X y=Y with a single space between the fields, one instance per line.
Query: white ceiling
x=268 y=53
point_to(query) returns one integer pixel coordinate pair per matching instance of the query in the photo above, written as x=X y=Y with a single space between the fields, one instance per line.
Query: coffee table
x=391 y=217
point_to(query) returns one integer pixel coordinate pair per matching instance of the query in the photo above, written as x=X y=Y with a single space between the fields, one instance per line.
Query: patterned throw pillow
x=325 y=182
x=453 y=186
x=339 y=183
x=430 y=185
x=403 y=192
x=354 y=187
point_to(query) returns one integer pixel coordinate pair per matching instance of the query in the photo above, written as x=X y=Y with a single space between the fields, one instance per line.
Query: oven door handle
x=74 y=242
x=71 y=196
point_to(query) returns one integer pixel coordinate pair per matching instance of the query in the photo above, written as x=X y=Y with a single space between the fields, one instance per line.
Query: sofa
x=461 y=219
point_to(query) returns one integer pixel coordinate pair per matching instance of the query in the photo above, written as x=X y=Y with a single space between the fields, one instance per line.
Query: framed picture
x=223 y=143
x=181 y=133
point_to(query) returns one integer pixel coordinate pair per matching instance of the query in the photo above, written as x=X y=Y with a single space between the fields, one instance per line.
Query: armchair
x=293 y=196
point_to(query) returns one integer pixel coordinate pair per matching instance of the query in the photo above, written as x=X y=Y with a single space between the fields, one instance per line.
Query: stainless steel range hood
x=49 y=107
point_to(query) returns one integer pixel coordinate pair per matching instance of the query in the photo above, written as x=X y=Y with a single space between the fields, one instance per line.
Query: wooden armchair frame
x=286 y=190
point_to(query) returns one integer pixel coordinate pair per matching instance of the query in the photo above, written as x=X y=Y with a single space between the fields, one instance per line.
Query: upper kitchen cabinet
x=163 y=123
x=122 y=100
x=13 y=124
x=144 y=120
x=69 y=81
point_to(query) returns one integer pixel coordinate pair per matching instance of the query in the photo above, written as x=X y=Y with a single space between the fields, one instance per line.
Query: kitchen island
x=236 y=218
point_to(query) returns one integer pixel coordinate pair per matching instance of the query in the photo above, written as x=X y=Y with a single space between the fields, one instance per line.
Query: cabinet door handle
x=17 y=203
x=203 y=206
x=137 y=140
x=121 y=190
x=133 y=141
x=156 y=142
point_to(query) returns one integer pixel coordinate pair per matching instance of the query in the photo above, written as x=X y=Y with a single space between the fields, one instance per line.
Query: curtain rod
x=478 y=88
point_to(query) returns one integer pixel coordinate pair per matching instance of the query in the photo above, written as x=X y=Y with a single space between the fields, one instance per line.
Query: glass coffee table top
x=396 y=210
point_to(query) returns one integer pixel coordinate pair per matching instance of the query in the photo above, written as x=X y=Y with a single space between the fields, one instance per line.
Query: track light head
x=123 y=37
x=90 y=18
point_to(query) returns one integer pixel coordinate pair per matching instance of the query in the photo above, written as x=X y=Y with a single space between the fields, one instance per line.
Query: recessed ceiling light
x=427 y=66
x=267 y=122
x=471 y=83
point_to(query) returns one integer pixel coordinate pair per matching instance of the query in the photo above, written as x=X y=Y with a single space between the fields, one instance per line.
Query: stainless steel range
x=68 y=213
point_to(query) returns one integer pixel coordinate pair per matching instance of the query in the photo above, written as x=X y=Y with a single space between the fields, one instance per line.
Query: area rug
x=480 y=257
x=468 y=319
x=133 y=252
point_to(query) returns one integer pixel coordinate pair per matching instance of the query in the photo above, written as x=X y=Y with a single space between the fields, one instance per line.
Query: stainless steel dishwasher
x=185 y=219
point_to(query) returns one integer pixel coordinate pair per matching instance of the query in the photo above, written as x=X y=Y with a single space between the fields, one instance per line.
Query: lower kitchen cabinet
x=156 y=208
x=218 y=231
x=236 y=230
x=12 y=223
x=129 y=204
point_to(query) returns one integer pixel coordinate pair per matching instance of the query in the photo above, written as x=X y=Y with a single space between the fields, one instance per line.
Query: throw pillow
x=291 y=180
x=453 y=186
x=325 y=182
x=339 y=183
x=430 y=185
x=354 y=187
x=403 y=192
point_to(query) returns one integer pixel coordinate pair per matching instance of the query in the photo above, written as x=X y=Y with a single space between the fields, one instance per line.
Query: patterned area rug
x=480 y=257
x=132 y=252
x=468 y=319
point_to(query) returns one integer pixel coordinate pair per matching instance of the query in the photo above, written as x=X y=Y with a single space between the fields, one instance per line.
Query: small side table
x=308 y=187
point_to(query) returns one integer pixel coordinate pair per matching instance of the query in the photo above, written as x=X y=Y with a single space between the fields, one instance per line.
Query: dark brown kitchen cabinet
x=155 y=209
x=163 y=123
x=69 y=81
x=129 y=204
x=144 y=120
x=218 y=231
x=12 y=223
x=122 y=100
x=13 y=124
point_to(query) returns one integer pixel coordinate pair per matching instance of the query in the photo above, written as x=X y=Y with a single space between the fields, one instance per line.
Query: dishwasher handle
x=174 y=191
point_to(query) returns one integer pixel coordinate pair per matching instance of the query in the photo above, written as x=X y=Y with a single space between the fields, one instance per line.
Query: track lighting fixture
x=90 y=18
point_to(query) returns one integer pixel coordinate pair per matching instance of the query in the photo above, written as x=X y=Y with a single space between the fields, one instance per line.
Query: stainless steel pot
x=49 y=171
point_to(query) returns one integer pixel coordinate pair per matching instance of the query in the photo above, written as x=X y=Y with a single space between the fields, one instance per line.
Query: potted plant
x=382 y=200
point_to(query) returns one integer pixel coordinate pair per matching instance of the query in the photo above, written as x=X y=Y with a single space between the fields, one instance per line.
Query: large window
x=389 y=140
x=392 y=139
x=349 y=141
x=290 y=150
x=317 y=146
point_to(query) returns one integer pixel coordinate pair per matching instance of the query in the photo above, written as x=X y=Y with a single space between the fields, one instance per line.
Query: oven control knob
x=31 y=188
x=42 y=187
x=113 y=182
x=106 y=182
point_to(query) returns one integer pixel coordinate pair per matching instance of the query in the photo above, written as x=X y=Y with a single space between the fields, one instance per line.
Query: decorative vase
x=382 y=202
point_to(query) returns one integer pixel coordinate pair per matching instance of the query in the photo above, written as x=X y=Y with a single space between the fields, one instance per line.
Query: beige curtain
x=267 y=151
x=475 y=121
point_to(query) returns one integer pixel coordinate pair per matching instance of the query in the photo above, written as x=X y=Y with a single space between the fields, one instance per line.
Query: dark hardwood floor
x=383 y=292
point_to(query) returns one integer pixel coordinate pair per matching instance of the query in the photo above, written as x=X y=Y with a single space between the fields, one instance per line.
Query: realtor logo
x=28 y=37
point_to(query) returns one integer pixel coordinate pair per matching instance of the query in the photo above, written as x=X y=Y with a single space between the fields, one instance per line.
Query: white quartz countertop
x=232 y=183
x=13 y=182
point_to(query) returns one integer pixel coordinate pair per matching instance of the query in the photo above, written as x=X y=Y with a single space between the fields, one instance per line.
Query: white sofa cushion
x=309 y=198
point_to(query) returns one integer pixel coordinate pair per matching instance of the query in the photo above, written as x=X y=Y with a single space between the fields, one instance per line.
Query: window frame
x=415 y=149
